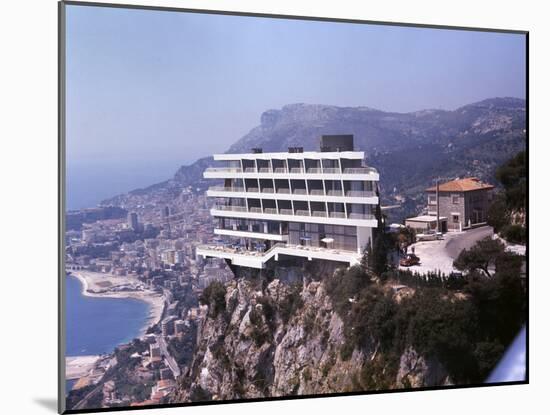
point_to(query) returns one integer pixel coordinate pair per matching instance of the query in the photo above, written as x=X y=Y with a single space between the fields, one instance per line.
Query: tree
x=214 y=297
x=481 y=256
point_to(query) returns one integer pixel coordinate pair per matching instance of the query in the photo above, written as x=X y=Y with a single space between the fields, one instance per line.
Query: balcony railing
x=268 y=190
x=224 y=169
x=331 y=170
x=280 y=170
x=361 y=216
x=300 y=191
x=359 y=170
x=334 y=192
x=254 y=189
x=232 y=208
x=319 y=213
x=299 y=212
x=317 y=192
x=250 y=170
x=226 y=189
x=296 y=170
x=264 y=170
x=283 y=190
x=360 y=193
x=314 y=170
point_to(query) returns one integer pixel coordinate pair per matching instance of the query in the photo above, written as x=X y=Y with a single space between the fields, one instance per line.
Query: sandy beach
x=79 y=366
x=96 y=284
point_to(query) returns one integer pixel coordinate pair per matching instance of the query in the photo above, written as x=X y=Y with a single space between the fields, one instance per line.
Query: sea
x=97 y=325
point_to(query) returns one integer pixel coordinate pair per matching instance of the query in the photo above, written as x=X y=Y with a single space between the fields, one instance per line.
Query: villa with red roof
x=463 y=203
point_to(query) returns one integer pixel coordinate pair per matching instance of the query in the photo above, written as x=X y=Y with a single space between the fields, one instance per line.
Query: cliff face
x=282 y=339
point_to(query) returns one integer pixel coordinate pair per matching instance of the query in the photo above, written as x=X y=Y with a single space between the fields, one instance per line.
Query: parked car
x=409 y=260
x=429 y=236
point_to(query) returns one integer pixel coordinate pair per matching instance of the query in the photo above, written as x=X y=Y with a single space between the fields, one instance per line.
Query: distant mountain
x=409 y=149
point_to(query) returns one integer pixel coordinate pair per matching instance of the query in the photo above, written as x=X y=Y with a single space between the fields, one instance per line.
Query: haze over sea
x=88 y=183
x=97 y=325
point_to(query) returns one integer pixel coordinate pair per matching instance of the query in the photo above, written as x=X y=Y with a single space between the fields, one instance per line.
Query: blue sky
x=153 y=88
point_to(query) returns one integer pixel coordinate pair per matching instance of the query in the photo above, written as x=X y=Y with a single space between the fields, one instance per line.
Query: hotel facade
x=308 y=204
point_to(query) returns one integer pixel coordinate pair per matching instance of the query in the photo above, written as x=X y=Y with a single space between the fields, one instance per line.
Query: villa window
x=455 y=199
x=432 y=200
x=456 y=218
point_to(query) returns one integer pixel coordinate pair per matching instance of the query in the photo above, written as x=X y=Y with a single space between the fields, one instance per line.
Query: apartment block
x=309 y=204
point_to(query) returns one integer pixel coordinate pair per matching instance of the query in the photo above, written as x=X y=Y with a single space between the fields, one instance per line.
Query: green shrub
x=514 y=233
x=214 y=297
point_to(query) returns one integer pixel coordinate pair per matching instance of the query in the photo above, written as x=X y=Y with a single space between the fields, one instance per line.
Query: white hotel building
x=312 y=204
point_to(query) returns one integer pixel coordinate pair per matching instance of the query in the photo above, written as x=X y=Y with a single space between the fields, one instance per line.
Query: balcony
x=232 y=208
x=359 y=170
x=319 y=213
x=361 y=216
x=225 y=189
x=317 y=192
x=360 y=193
x=316 y=216
x=224 y=170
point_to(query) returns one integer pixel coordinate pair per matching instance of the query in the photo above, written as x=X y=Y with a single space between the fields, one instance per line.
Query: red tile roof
x=462 y=185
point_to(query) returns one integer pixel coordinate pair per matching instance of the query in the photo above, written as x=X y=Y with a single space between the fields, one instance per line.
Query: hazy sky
x=148 y=91
x=164 y=86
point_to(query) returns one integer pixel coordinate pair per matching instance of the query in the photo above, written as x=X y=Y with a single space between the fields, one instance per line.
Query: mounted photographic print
x=259 y=207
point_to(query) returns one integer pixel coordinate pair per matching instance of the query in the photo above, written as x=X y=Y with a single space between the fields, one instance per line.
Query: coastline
x=99 y=285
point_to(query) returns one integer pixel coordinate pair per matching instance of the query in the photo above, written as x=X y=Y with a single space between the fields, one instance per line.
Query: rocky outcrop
x=280 y=339
x=416 y=371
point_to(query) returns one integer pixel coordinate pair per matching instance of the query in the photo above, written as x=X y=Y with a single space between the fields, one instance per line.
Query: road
x=170 y=361
x=439 y=255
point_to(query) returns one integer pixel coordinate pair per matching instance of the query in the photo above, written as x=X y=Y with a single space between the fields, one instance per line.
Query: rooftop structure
x=311 y=204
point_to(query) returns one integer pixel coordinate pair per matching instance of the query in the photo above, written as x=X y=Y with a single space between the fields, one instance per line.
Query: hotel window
x=455 y=199
x=431 y=200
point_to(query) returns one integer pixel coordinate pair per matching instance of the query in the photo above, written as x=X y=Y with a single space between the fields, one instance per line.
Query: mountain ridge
x=470 y=140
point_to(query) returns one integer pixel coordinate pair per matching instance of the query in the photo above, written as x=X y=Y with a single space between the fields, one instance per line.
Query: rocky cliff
x=282 y=337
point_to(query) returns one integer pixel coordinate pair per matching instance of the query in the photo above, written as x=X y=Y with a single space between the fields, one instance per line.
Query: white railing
x=286 y=212
x=224 y=169
x=226 y=189
x=334 y=192
x=268 y=190
x=264 y=170
x=250 y=170
x=280 y=170
x=361 y=216
x=337 y=215
x=272 y=211
x=360 y=193
x=318 y=192
x=256 y=209
x=254 y=189
x=296 y=170
x=359 y=170
x=299 y=191
x=300 y=212
x=283 y=190
x=331 y=170
x=314 y=170
x=321 y=213
x=232 y=208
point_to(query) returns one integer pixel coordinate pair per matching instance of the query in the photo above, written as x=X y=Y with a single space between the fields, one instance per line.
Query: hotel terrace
x=309 y=204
